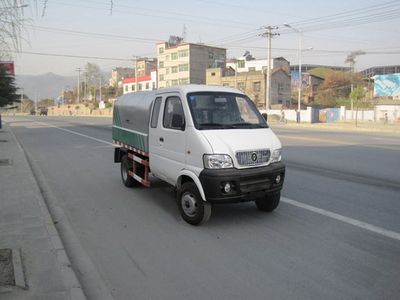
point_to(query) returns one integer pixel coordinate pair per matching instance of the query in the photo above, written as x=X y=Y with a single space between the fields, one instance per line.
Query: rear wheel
x=126 y=166
x=193 y=209
x=270 y=202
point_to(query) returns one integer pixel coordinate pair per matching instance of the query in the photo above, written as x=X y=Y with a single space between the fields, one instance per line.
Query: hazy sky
x=94 y=29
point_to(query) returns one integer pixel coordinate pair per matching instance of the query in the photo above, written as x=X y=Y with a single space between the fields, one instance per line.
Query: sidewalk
x=344 y=126
x=39 y=268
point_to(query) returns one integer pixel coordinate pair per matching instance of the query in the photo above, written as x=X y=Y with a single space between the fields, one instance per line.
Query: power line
x=71 y=56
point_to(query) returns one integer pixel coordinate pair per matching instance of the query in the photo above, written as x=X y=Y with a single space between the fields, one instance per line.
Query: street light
x=300 y=79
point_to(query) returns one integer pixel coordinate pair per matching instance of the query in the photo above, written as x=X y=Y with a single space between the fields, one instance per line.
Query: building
x=120 y=73
x=380 y=70
x=253 y=84
x=184 y=63
x=309 y=85
x=308 y=67
x=145 y=66
x=244 y=65
x=142 y=83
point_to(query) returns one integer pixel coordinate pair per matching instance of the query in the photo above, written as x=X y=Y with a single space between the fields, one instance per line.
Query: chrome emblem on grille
x=254 y=156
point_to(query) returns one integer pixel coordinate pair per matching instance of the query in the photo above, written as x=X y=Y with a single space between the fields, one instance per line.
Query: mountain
x=47 y=85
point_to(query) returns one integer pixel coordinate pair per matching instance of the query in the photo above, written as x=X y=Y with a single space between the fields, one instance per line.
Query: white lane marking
x=77 y=133
x=381 y=231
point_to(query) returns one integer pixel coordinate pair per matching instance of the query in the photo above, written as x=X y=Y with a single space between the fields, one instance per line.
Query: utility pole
x=100 y=89
x=22 y=98
x=79 y=83
x=269 y=35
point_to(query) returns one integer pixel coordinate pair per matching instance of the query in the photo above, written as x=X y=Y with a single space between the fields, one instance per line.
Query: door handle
x=161 y=139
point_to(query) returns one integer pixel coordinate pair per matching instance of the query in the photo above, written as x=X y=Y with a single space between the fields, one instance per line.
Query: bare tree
x=11 y=24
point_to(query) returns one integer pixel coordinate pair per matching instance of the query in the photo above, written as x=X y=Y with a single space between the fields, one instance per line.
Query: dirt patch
x=6 y=268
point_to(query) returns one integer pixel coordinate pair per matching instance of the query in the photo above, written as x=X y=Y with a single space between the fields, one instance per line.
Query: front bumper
x=246 y=184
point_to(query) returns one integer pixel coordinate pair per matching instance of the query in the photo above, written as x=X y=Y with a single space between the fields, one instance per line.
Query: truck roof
x=191 y=88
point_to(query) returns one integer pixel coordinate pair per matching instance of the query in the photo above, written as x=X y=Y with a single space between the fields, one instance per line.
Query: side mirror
x=178 y=122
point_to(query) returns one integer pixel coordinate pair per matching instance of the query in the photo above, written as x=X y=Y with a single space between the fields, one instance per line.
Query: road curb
x=70 y=255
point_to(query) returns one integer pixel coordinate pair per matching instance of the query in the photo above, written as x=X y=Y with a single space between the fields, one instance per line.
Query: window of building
x=225 y=84
x=212 y=73
x=161 y=64
x=139 y=87
x=252 y=69
x=156 y=112
x=161 y=77
x=241 y=86
x=174 y=55
x=153 y=86
x=133 y=87
x=256 y=86
x=173 y=114
x=183 y=68
x=174 y=81
x=161 y=50
x=241 y=63
x=174 y=70
x=126 y=88
x=147 y=85
x=183 y=80
x=167 y=71
x=183 y=53
x=167 y=57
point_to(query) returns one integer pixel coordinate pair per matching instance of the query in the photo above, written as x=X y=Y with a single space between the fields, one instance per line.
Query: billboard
x=9 y=65
x=387 y=85
x=295 y=79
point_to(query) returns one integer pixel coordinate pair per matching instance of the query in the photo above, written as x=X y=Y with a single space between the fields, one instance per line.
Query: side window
x=173 y=114
x=156 y=112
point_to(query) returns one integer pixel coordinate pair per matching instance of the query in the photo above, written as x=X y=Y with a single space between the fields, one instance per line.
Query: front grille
x=253 y=158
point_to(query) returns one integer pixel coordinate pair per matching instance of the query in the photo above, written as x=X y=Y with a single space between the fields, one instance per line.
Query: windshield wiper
x=214 y=125
x=248 y=125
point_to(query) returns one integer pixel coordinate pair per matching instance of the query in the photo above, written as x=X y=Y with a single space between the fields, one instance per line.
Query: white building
x=184 y=63
x=243 y=65
x=141 y=83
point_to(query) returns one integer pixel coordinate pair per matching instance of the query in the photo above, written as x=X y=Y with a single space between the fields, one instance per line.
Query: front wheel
x=193 y=209
x=270 y=202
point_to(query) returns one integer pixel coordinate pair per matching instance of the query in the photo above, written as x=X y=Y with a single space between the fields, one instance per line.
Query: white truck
x=209 y=142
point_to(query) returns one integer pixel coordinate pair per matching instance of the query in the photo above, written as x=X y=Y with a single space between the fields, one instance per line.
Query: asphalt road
x=336 y=234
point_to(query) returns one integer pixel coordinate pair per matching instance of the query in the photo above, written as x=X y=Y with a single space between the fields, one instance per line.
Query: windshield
x=218 y=110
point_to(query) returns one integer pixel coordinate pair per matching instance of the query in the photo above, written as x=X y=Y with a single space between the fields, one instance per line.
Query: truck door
x=167 y=140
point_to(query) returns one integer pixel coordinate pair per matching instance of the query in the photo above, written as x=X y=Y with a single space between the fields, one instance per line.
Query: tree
x=7 y=88
x=93 y=75
x=11 y=24
x=357 y=95
x=336 y=86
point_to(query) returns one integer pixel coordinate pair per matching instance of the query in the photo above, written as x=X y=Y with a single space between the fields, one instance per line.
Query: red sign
x=9 y=65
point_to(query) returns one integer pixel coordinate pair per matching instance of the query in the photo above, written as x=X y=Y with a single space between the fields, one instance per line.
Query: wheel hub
x=189 y=205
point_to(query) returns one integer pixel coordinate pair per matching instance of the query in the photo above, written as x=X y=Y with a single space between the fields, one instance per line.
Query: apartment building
x=184 y=63
x=145 y=65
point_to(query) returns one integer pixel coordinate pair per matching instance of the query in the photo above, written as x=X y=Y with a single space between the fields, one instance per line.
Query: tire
x=193 y=209
x=270 y=202
x=127 y=180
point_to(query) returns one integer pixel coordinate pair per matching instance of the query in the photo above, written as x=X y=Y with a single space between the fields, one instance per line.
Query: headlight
x=217 y=161
x=276 y=155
